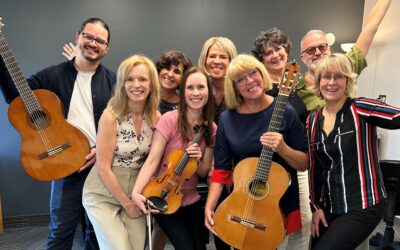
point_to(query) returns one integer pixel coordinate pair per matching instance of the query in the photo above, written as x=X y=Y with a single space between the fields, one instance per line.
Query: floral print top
x=132 y=149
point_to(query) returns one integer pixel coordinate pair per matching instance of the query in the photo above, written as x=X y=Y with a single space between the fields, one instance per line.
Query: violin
x=165 y=191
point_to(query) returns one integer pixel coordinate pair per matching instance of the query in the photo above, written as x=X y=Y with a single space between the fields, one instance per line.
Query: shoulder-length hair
x=119 y=101
x=208 y=109
x=172 y=57
x=242 y=64
x=335 y=61
x=225 y=44
x=271 y=37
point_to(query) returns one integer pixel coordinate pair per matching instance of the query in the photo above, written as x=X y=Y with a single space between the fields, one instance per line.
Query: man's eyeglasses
x=311 y=51
x=243 y=80
x=90 y=38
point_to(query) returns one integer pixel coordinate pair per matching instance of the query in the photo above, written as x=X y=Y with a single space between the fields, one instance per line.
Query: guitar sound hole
x=258 y=188
x=39 y=119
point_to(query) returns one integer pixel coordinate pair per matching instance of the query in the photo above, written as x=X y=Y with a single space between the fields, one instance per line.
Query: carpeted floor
x=30 y=232
x=21 y=233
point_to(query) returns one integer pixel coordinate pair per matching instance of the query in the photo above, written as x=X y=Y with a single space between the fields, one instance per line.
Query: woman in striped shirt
x=346 y=186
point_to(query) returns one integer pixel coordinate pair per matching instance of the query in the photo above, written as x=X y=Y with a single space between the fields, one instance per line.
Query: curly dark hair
x=273 y=36
x=172 y=57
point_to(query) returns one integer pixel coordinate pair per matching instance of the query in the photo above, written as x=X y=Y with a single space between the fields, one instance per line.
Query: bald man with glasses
x=314 y=45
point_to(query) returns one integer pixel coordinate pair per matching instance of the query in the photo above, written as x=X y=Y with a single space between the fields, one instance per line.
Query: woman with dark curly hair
x=272 y=48
x=170 y=66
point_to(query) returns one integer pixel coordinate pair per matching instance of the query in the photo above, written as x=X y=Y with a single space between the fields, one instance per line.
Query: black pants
x=184 y=228
x=347 y=231
x=66 y=210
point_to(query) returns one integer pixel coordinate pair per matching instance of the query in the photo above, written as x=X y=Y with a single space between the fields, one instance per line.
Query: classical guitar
x=250 y=217
x=51 y=148
x=165 y=191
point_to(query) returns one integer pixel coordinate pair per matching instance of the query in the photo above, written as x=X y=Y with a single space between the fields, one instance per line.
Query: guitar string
x=250 y=202
x=16 y=75
x=35 y=111
x=257 y=181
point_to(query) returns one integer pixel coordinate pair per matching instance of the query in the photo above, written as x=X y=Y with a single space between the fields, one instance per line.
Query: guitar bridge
x=248 y=223
x=54 y=151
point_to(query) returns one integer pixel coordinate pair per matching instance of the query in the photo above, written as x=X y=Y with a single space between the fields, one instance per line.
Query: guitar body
x=66 y=146
x=171 y=182
x=262 y=226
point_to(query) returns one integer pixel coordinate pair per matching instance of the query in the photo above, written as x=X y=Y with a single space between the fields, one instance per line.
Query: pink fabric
x=168 y=127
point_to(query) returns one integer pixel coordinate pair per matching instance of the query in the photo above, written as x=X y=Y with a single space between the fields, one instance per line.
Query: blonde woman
x=214 y=58
x=245 y=122
x=348 y=197
x=123 y=143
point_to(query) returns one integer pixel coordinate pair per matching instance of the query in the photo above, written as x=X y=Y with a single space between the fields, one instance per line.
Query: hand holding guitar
x=273 y=140
x=90 y=160
x=46 y=154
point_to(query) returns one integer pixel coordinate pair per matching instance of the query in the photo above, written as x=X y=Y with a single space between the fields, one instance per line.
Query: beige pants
x=113 y=228
x=300 y=240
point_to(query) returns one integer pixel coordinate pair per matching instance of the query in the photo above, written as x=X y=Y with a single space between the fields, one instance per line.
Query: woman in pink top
x=175 y=131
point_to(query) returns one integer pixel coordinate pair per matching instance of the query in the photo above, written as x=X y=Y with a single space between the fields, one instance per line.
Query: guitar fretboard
x=264 y=163
x=29 y=99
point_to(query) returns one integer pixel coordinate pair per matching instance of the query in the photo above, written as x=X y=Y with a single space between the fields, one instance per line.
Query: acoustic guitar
x=165 y=191
x=250 y=217
x=51 y=148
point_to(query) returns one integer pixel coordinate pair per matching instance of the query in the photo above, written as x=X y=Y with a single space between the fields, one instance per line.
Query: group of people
x=136 y=118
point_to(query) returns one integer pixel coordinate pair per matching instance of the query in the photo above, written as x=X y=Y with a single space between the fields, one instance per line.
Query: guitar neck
x=18 y=78
x=264 y=163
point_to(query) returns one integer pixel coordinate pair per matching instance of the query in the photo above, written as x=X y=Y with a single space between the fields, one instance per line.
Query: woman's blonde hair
x=242 y=64
x=223 y=43
x=119 y=101
x=335 y=61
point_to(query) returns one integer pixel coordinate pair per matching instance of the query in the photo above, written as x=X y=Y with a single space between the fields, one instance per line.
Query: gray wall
x=36 y=31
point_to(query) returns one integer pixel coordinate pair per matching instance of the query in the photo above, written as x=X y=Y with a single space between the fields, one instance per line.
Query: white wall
x=380 y=77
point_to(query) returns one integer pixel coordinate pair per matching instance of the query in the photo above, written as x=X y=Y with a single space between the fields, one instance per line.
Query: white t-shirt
x=80 y=112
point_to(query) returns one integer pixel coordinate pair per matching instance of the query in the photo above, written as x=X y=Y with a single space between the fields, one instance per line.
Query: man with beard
x=84 y=86
x=314 y=45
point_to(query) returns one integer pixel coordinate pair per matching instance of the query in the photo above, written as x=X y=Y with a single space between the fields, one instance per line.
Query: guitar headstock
x=290 y=77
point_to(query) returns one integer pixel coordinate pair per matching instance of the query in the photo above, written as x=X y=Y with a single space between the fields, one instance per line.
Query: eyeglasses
x=311 y=51
x=336 y=76
x=90 y=39
x=243 y=80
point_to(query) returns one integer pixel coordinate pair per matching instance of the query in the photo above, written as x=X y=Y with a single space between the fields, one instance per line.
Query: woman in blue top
x=242 y=133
